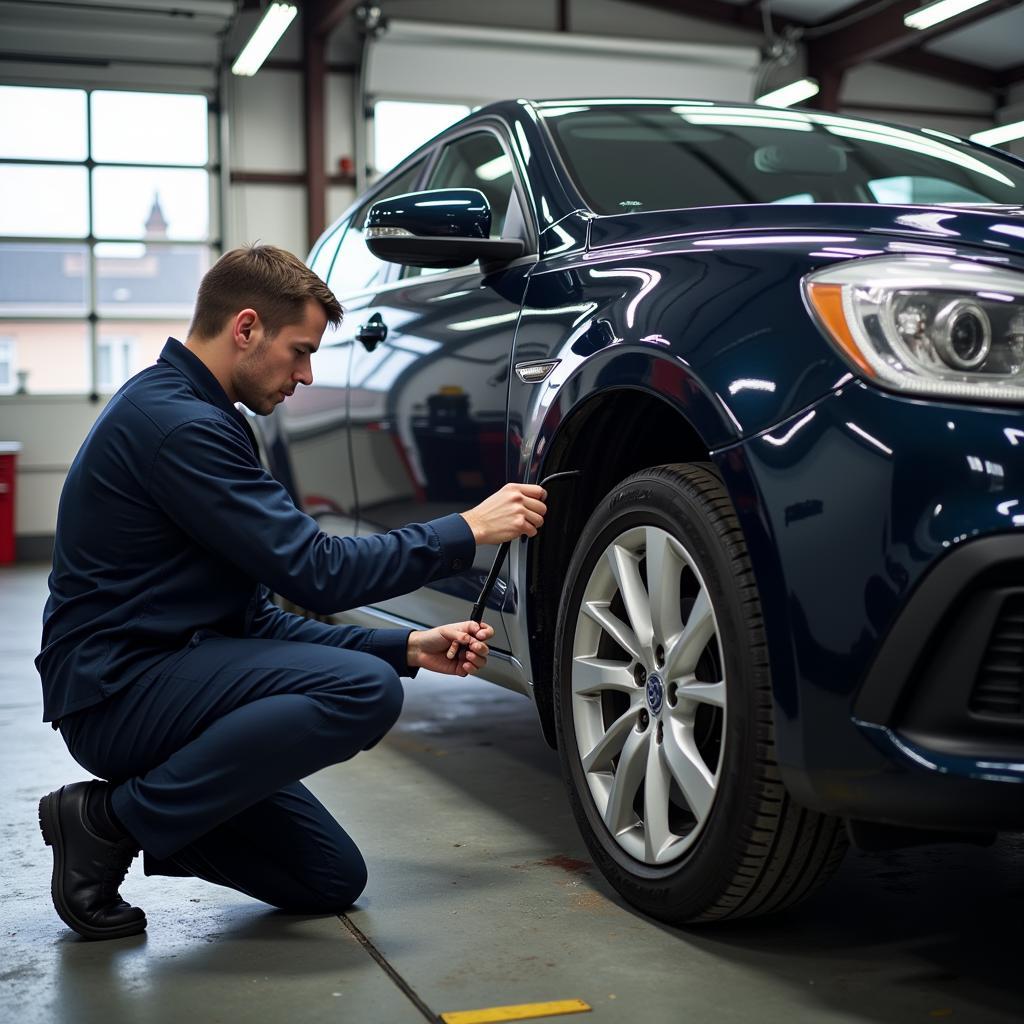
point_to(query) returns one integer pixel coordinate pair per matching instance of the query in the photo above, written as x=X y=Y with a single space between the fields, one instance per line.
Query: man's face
x=272 y=369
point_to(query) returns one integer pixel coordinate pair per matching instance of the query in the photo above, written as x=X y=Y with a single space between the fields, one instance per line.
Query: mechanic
x=165 y=665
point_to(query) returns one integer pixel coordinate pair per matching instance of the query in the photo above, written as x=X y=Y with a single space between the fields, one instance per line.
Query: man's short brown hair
x=269 y=280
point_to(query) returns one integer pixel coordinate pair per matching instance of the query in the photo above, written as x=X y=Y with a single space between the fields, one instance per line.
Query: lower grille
x=999 y=687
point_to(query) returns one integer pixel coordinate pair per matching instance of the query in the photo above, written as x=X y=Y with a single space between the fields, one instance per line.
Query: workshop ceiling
x=97 y=31
x=979 y=48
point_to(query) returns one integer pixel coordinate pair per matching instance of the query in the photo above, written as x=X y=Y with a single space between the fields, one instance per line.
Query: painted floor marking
x=524 y=1011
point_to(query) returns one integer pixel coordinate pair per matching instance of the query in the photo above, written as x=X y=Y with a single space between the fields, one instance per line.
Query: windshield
x=672 y=154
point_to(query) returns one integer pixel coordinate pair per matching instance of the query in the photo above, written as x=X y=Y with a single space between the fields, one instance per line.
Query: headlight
x=926 y=324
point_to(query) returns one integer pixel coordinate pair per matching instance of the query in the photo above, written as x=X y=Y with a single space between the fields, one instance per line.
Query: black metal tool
x=499 y=558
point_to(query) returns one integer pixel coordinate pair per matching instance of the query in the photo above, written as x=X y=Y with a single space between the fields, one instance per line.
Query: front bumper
x=887 y=538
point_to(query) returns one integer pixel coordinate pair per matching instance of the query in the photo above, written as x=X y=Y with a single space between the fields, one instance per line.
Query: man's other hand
x=515 y=510
x=429 y=648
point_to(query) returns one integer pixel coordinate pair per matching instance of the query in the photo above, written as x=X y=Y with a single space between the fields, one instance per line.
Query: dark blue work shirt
x=169 y=527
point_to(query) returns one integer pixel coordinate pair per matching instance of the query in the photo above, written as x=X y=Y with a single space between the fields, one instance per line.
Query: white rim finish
x=654 y=742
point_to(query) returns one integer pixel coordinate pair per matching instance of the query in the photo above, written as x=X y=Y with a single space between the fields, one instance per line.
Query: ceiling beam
x=822 y=58
x=329 y=14
x=882 y=34
x=1010 y=76
x=925 y=63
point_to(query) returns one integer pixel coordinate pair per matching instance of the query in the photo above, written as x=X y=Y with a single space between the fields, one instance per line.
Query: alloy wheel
x=649 y=694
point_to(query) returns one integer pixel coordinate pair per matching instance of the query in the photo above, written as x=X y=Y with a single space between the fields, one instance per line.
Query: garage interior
x=482 y=893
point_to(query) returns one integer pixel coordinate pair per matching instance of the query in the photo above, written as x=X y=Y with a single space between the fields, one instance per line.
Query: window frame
x=212 y=242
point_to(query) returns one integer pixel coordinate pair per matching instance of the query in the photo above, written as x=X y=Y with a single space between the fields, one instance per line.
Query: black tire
x=756 y=851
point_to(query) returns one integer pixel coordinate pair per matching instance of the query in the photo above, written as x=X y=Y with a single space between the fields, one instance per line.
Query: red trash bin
x=8 y=458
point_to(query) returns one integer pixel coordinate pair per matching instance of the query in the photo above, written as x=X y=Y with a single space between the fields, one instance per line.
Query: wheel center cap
x=655 y=693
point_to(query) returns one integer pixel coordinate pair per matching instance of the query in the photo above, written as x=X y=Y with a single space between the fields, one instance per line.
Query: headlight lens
x=926 y=324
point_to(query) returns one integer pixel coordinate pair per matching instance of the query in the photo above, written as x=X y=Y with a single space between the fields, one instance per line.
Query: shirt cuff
x=458 y=547
x=392 y=646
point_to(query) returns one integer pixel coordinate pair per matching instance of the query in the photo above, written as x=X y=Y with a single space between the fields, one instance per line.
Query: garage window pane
x=42 y=124
x=399 y=128
x=52 y=202
x=52 y=357
x=131 y=202
x=41 y=280
x=160 y=281
x=149 y=128
x=126 y=347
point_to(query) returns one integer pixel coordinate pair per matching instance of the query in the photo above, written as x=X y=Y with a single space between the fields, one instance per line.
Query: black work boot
x=91 y=856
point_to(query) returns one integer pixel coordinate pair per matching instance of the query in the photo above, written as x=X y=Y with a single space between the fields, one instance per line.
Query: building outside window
x=113 y=230
x=116 y=362
x=8 y=378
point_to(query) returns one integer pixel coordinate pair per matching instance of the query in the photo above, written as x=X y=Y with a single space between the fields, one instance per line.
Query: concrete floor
x=481 y=894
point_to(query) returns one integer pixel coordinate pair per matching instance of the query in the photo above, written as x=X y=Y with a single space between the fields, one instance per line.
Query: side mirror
x=444 y=227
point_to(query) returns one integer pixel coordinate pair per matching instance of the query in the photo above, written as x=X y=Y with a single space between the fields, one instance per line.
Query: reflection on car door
x=429 y=404
x=315 y=419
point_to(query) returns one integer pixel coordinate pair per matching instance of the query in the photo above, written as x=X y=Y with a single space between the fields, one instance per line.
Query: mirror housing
x=444 y=227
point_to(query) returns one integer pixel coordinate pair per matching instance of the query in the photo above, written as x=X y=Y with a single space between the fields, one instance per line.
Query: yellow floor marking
x=522 y=1012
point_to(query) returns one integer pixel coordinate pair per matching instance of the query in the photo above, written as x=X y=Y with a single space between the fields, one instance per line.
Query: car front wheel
x=664 y=713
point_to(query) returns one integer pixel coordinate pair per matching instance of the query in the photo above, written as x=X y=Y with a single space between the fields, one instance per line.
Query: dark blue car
x=782 y=604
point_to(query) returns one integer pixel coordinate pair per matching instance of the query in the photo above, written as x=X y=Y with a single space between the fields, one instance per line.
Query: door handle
x=372 y=333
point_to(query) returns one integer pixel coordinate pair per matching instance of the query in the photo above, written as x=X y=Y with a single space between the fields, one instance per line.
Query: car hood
x=995 y=227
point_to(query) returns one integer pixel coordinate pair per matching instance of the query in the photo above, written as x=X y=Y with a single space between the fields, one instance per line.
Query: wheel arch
x=607 y=437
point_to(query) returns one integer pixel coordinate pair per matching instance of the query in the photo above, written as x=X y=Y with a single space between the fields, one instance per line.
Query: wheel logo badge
x=655 y=693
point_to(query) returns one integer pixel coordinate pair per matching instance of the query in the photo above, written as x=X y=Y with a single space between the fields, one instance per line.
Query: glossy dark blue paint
x=442 y=213
x=848 y=496
x=846 y=506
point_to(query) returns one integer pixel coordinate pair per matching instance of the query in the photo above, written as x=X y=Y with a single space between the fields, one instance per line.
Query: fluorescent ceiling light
x=494 y=169
x=765 y=121
x=270 y=29
x=941 y=10
x=795 y=92
x=1004 y=133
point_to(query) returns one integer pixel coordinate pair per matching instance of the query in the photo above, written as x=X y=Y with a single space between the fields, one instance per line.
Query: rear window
x=626 y=159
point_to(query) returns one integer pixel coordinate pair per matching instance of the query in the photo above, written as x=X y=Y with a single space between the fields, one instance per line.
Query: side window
x=473 y=161
x=323 y=257
x=356 y=268
x=477 y=161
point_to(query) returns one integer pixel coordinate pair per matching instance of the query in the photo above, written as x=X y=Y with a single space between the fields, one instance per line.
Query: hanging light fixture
x=276 y=18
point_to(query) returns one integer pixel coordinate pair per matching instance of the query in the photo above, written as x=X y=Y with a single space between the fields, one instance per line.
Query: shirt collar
x=198 y=374
x=209 y=388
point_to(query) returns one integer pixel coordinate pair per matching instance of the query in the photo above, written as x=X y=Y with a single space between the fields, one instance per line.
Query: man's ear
x=246 y=329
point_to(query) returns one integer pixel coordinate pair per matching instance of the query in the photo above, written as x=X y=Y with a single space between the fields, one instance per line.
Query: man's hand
x=515 y=510
x=429 y=648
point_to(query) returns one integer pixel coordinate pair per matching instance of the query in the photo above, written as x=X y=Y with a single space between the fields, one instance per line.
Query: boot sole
x=49 y=825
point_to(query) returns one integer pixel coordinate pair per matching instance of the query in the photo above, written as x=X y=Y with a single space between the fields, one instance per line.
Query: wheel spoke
x=592 y=676
x=619 y=814
x=664 y=567
x=688 y=769
x=656 y=790
x=625 y=568
x=600 y=756
x=614 y=626
x=682 y=657
x=703 y=693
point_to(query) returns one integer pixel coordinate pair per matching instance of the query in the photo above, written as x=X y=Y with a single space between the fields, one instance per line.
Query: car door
x=429 y=403
x=314 y=420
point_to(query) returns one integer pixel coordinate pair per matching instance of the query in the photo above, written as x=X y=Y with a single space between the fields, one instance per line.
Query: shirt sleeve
x=272 y=623
x=205 y=478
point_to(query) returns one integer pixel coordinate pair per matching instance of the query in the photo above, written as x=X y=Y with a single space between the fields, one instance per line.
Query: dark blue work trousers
x=207 y=751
